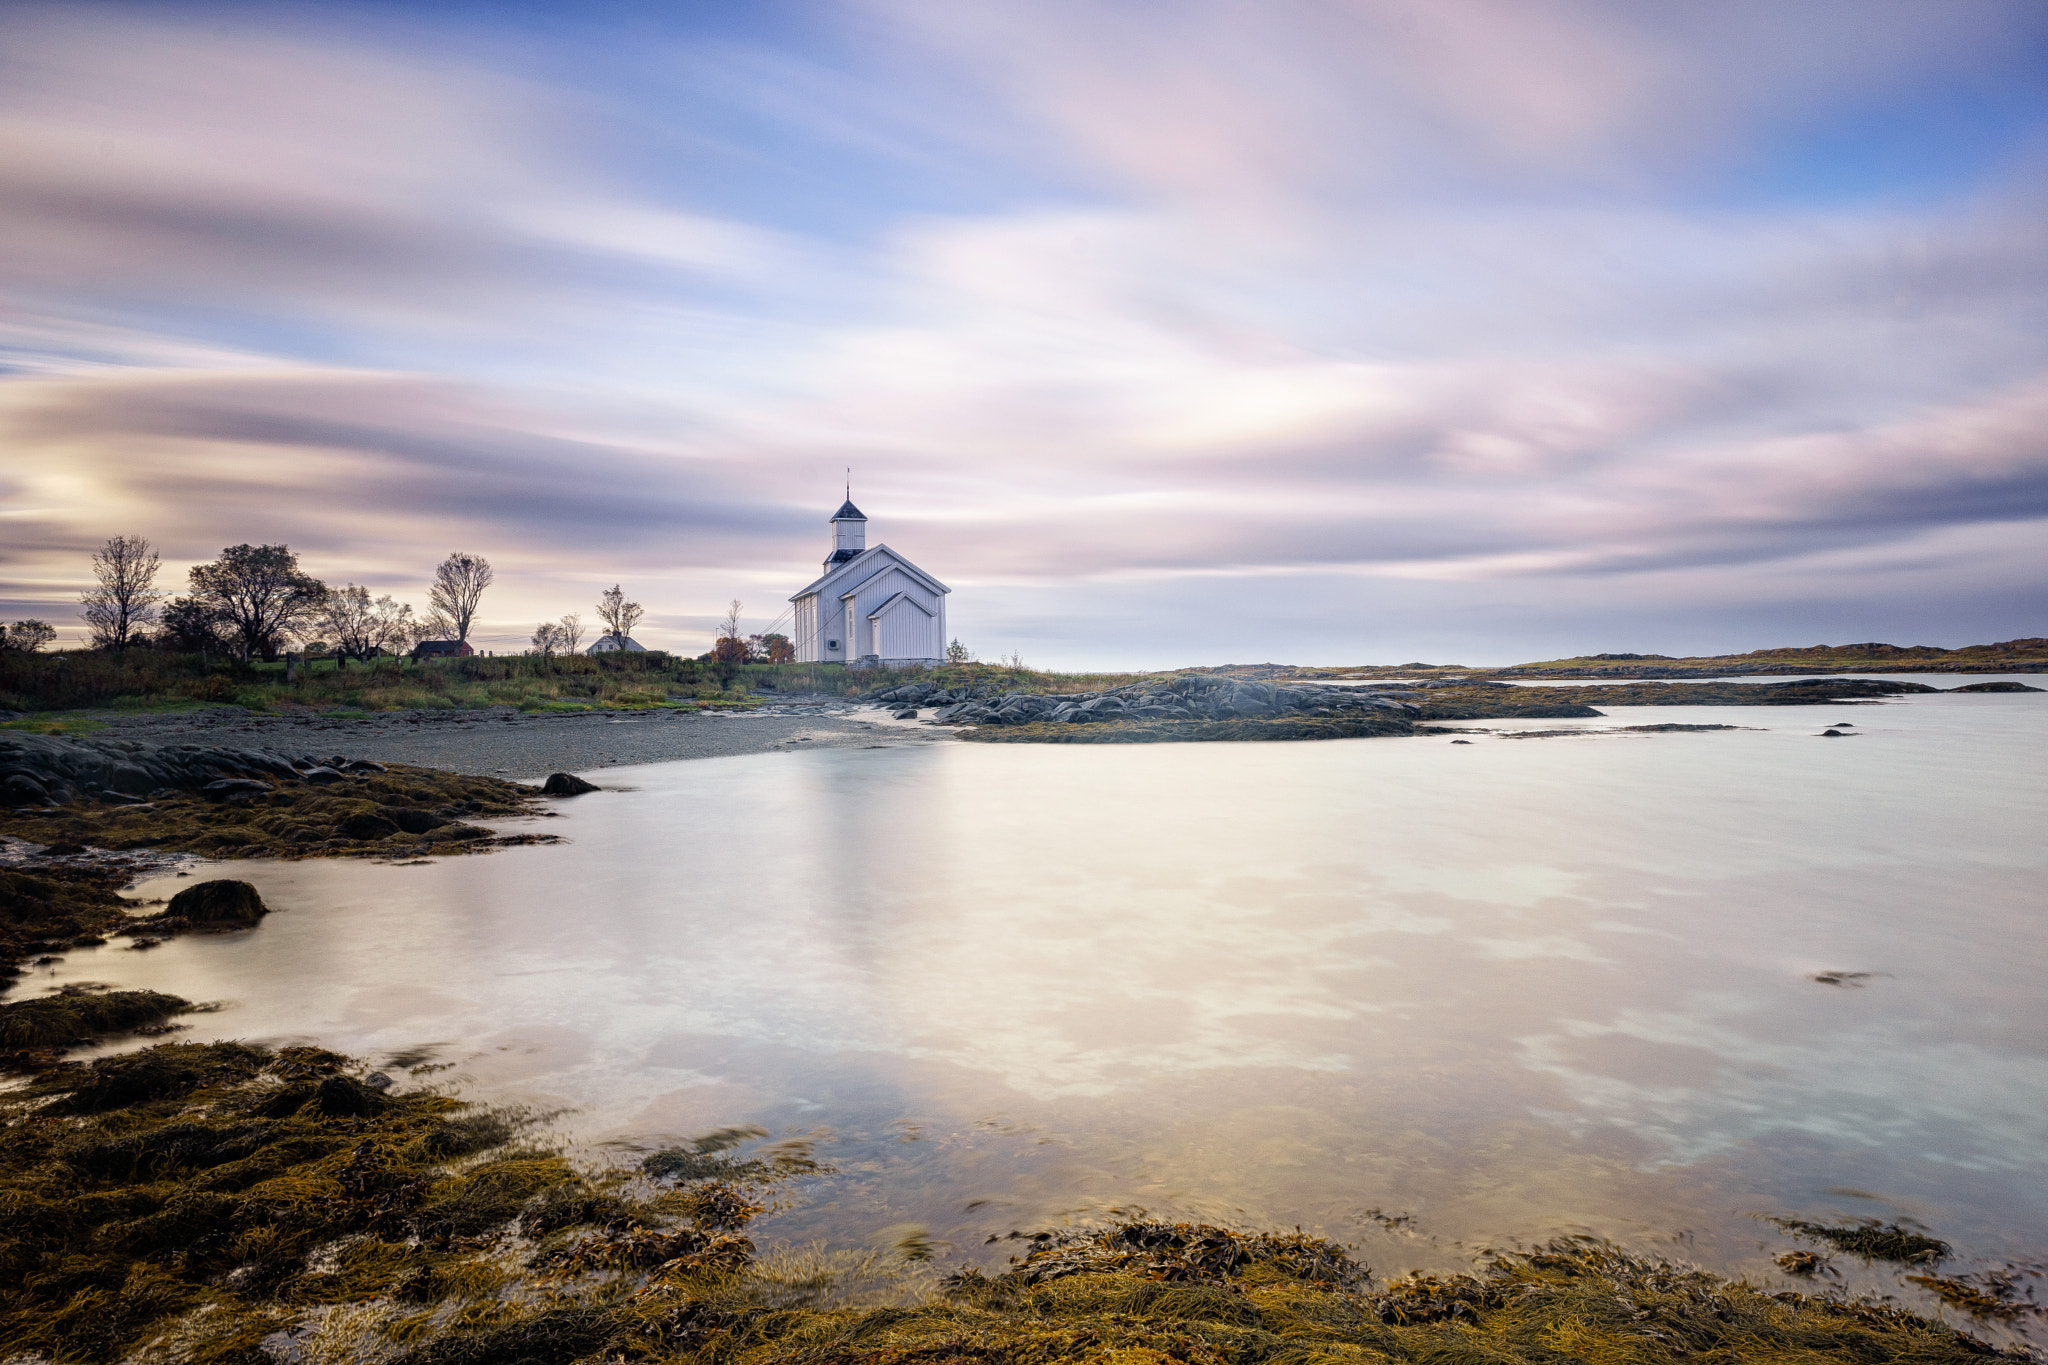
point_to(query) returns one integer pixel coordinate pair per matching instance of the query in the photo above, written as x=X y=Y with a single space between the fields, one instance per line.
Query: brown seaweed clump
x=224 y=1203
x=1872 y=1240
x=2002 y=1294
x=75 y=1013
x=403 y=811
x=55 y=908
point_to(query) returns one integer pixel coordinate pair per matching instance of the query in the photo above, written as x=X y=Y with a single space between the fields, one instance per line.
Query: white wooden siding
x=903 y=629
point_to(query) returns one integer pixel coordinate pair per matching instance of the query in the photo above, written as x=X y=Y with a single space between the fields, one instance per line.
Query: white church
x=871 y=607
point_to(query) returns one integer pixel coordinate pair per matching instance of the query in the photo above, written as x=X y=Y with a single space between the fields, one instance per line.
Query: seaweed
x=1872 y=1240
x=74 y=1012
x=221 y=1202
x=2000 y=1294
x=400 y=811
x=57 y=907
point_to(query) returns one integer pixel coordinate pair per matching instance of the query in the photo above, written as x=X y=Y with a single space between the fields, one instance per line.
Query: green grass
x=60 y=724
x=55 y=687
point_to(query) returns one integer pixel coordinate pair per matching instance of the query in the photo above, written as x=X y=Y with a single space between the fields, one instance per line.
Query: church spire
x=849 y=531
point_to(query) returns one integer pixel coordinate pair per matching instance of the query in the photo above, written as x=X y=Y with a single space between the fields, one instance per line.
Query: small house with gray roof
x=872 y=606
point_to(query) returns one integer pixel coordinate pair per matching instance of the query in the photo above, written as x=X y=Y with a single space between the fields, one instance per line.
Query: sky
x=1165 y=332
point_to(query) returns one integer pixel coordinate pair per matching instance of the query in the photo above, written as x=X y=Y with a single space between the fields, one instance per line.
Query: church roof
x=863 y=566
x=848 y=512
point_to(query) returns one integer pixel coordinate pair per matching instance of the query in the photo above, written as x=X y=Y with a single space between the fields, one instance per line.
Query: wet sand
x=502 y=742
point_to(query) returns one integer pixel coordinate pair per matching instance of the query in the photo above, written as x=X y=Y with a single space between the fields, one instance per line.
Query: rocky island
x=1197 y=707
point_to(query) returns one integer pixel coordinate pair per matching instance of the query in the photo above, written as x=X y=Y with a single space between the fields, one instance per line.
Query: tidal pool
x=1499 y=990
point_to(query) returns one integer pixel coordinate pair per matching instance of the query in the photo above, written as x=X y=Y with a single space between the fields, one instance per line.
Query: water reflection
x=1511 y=987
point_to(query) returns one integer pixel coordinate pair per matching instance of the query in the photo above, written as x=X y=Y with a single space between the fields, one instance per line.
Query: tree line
x=255 y=601
x=733 y=648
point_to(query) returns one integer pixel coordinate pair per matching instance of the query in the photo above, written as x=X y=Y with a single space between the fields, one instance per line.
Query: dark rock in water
x=220 y=902
x=1996 y=687
x=367 y=827
x=1461 y=741
x=234 y=786
x=455 y=832
x=1669 y=728
x=1832 y=734
x=908 y=713
x=567 y=784
x=410 y=820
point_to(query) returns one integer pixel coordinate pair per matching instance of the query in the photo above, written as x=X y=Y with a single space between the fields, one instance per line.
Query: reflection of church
x=871 y=607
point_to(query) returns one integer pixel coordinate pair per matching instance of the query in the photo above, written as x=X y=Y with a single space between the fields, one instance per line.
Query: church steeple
x=849 y=533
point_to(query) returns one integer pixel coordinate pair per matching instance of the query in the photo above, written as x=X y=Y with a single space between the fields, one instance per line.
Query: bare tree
x=27 y=636
x=729 y=648
x=619 y=615
x=547 y=639
x=362 y=626
x=258 y=594
x=458 y=586
x=126 y=598
x=571 y=632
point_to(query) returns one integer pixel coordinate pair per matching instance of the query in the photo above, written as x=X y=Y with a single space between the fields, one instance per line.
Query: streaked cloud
x=1393 y=313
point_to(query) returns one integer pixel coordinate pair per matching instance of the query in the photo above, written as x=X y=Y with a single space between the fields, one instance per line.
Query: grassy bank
x=199 y=1202
x=141 y=680
x=147 y=680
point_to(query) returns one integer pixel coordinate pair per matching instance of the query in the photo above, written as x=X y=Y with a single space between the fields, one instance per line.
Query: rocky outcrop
x=269 y=804
x=567 y=784
x=49 y=770
x=1197 y=731
x=1189 y=697
x=1998 y=687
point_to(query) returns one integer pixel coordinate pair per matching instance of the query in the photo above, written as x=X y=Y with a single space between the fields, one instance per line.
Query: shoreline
x=524 y=746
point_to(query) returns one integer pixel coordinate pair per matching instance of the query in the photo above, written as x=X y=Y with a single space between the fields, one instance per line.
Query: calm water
x=1511 y=988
